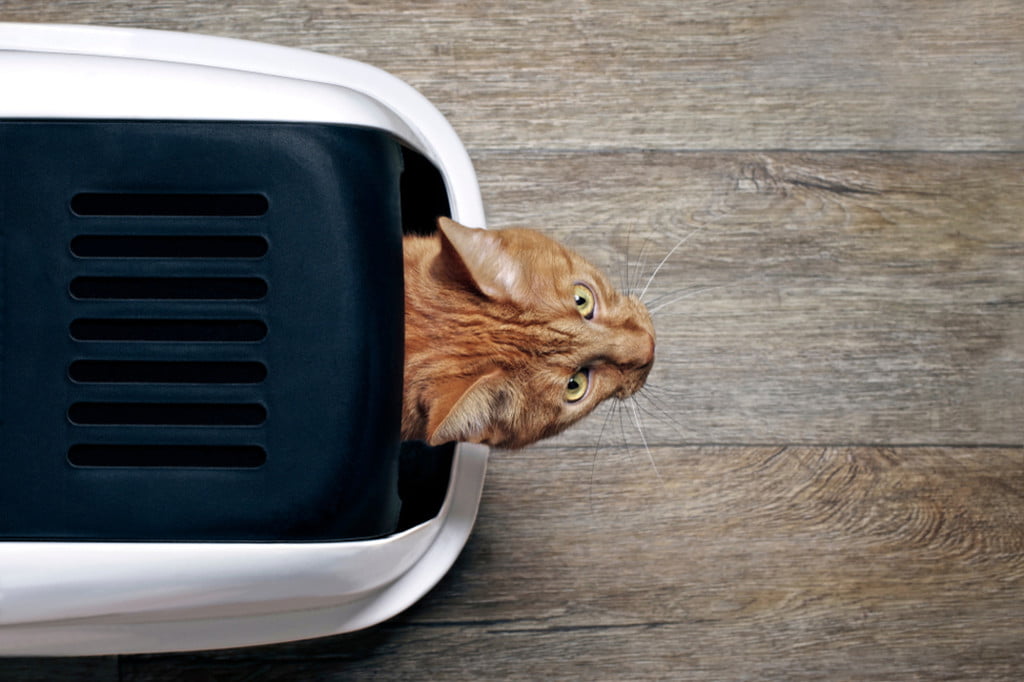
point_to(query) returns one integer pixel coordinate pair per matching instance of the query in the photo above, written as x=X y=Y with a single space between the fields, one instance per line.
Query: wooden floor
x=834 y=485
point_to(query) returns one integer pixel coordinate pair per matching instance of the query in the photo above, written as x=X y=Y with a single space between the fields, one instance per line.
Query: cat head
x=534 y=338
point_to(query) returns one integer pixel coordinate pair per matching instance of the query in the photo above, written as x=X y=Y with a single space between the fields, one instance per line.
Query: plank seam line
x=688 y=444
x=582 y=151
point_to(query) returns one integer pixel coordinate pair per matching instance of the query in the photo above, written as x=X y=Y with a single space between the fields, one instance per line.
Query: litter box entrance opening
x=424 y=197
x=424 y=471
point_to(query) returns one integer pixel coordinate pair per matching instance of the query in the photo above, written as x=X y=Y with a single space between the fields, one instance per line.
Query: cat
x=511 y=337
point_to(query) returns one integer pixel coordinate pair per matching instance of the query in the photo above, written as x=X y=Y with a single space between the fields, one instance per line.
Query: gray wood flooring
x=830 y=481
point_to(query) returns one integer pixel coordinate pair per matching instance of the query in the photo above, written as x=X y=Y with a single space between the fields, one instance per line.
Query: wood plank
x=863 y=298
x=701 y=75
x=826 y=298
x=739 y=563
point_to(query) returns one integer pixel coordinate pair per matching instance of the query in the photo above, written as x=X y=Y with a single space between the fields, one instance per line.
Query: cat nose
x=630 y=351
x=647 y=357
x=637 y=352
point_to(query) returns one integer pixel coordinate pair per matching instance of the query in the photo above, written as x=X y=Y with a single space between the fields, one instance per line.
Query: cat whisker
x=624 y=278
x=623 y=413
x=653 y=391
x=632 y=274
x=641 y=265
x=682 y=291
x=597 y=448
x=695 y=292
x=643 y=438
x=656 y=393
x=656 y=411
x=667 y=256
x=688 y=294
x=622 y=431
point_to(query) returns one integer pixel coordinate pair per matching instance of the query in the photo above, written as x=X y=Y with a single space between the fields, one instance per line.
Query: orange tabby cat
x=510 y=337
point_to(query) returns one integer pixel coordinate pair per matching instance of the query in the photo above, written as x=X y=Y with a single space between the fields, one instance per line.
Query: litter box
x=201 y=343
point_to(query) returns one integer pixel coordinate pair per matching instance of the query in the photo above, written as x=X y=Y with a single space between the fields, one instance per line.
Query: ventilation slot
x=213 y=456
x=86 y=329
x=139 y=246
x=152 y=397
x=169 y=288
x=167 y=414
x=169 y=205
x=132 y=372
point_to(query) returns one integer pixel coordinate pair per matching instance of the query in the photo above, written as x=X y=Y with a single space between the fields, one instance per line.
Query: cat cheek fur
x=465 y=409
x=494 y=410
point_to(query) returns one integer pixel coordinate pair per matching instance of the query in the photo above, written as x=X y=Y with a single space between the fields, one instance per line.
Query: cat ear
x=465 y=409
x=482 y=256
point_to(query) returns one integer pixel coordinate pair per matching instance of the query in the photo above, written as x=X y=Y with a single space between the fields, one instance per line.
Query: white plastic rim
x=78 y=599
x=73 y=598
x=61 y=71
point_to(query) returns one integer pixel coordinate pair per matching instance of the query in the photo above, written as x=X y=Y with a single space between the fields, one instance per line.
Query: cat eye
x=583 y=297
x=577 y=386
